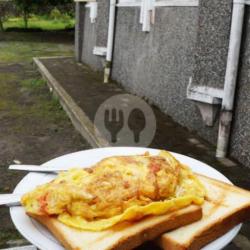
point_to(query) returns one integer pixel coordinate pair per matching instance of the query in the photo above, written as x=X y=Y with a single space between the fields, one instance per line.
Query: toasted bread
x=123 y=236
x=225 y=206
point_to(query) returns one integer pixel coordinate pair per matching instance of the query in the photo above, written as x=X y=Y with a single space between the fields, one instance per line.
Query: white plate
x=43 y=239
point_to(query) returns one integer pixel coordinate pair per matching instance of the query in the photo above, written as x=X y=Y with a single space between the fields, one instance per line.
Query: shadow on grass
x=38 y=35
x=23 y=30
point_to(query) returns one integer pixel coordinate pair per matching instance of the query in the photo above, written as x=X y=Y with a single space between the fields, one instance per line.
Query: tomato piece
x=155 y=167
x=43 y=203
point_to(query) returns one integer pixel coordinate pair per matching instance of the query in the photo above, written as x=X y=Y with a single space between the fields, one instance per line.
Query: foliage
x=65 y=7
x=6 y=9
x=55 y=14
x=58 y=2
x=41 y=23
x=26 y=7
x=53 y=8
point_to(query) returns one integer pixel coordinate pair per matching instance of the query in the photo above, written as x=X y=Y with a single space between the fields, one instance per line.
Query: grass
x=41 y=22
x=13 y=84
x=41 y=105
x=14 y=51
x=33 y=83
x=30 y=116
x=45 y=107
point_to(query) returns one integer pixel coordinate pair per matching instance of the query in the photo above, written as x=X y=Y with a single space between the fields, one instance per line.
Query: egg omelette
x=116 y=189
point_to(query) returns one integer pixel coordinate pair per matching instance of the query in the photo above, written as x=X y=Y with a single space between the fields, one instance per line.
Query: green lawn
x=39 y=22
x=16 y=51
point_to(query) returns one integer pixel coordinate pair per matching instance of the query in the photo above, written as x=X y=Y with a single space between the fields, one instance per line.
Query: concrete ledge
x=77 y=116
x=205 y=94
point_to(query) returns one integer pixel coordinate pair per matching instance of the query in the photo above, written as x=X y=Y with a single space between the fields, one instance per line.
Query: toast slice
x=122 y=236
x=225 y=207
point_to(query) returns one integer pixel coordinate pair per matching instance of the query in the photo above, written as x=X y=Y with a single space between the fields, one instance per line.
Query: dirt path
x=33 y=127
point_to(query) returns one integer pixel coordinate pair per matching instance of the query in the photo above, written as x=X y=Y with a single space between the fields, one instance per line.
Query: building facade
x=182 y=55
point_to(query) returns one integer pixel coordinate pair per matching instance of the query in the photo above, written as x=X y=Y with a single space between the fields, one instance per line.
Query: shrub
x=55 y=14
x=6 y=10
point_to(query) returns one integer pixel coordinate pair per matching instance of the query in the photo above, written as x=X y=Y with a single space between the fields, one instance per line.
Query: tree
x=5 y=11
x=33 y=6
x=58 y=2
x=26 y=7
x=64 y=6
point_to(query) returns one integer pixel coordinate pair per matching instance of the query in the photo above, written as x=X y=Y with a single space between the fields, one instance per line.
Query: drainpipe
x=111 y=31
x=147 y=14
x=93 y=11
x=230 y=78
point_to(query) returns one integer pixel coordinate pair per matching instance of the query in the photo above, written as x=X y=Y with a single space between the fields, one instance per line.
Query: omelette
x=116 y=189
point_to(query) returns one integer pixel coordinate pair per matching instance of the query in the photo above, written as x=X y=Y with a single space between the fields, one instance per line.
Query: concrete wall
x=240 y=139
x=211 y=51
x=95 y=34
x=183 y=42
x=89 y=41
x=79 y=27
x=158 y=64
x=102 y=23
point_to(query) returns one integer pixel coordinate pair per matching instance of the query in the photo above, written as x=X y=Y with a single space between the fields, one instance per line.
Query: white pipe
x=159 y=3
x=93 y=12
x=142 y=11
x=152 y=13
x=147 y=14
x=112 y=10
x=111 y=31
x=230 y=78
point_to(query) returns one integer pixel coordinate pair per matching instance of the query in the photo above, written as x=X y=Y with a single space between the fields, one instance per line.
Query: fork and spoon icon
x=114 y=122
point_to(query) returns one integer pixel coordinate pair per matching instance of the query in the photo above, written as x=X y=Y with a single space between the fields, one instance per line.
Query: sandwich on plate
x=123 y=201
